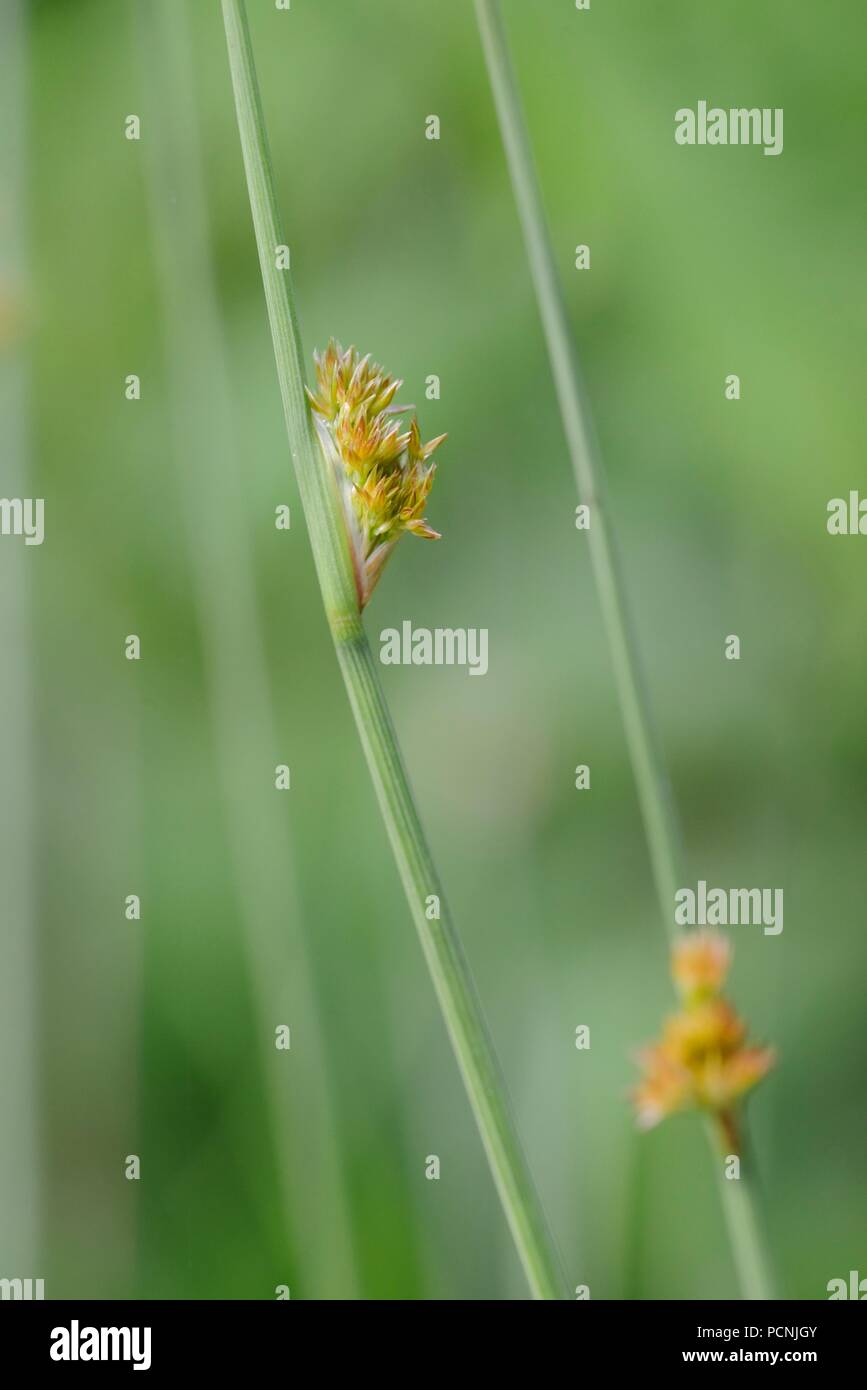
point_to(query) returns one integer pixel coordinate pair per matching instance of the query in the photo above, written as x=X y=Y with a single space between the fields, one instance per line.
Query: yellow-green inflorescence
x=703 y=1059
x=383 y=471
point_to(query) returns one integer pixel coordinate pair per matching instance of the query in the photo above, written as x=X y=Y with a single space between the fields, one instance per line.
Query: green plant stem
x=654 y=790
x=743 y=1220
x=451 y=977
x=21 y=1038
x=744 y=1226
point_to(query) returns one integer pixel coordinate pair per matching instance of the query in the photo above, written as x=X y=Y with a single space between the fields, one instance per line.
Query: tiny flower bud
x=700 y=963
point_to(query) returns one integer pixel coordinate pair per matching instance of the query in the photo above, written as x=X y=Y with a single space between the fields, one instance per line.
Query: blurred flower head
x=383 y=471
x=700 y=963
x=702 y=1060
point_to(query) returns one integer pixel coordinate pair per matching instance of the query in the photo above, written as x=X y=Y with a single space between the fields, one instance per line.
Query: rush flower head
x=702 y=1060
x=383 y=471
x=700 y=963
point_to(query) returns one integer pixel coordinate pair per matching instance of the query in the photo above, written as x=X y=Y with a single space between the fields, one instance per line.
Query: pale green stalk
x=19 y=1082
x=654 y=790
x=744 y=1222
x=210 y=478
x=451 y=977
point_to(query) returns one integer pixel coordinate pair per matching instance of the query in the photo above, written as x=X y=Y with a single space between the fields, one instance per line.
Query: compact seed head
x=382 y=469
x=702 y=1060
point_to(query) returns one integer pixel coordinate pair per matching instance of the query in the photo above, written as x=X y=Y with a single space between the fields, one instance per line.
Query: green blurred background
x=306 y=1168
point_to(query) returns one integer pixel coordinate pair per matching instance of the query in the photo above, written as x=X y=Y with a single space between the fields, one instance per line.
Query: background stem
x=209 y=469
x=744 y=1227
x=450 y=973
x=654 y=789
x=20 y=1172
x=657 y=805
